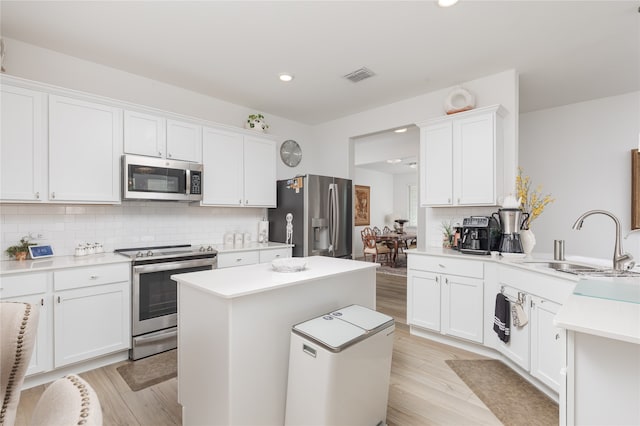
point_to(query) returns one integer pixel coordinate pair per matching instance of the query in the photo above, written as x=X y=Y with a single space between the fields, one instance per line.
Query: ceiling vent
x=359 y=75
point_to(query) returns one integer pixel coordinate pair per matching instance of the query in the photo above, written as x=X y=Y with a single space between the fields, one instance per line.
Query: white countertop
x=230 y=283
x=59 y=262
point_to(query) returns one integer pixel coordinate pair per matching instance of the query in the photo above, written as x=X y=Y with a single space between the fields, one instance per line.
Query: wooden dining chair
x=376 y=250
x=376 y=230
x=386 y=230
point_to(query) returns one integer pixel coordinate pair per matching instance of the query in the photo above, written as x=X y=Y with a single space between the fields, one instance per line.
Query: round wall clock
x=290 y=153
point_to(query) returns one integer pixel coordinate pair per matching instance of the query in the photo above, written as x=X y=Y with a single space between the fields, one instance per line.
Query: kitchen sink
x=583 y=270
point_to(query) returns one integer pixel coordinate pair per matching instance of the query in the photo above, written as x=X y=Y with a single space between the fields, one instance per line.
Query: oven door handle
x=181 y=264
x=154 y=337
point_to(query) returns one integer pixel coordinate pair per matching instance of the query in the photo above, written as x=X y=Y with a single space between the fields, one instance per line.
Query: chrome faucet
x=619 y=258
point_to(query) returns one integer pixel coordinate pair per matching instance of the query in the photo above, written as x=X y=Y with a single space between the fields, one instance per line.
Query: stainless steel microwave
x=147 y=178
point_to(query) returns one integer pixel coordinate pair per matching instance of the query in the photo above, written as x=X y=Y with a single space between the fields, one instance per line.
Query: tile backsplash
x=131 y=224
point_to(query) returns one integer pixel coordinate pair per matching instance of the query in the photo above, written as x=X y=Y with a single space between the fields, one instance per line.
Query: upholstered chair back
x=18 y=328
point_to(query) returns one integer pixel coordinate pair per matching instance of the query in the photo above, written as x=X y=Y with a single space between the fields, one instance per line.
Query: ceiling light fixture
x=413 y=165
x=286 y=77
x=394 y=161
x=404 y=129
x=446 y=3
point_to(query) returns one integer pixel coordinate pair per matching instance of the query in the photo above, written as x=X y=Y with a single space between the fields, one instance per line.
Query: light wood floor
x=423 y=389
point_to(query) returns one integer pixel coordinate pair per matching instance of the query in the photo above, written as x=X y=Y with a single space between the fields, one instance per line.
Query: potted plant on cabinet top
x=20 y=251
x=256 y=122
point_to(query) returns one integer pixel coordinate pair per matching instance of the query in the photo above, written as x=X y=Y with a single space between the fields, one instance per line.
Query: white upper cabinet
x=259 y=172
x=184 y=141
x=23 y=144
x=155 y=136
x=144 y=134
x=222 y=159
x=462 y=159
x=239 y=170
x=85 y=144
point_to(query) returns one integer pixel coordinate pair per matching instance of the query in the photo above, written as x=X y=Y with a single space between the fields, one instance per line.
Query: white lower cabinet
x=32 y=288
x=447 y=303
x=447 y=295
x=84 y=312
x=91 y=321
x=548 y=343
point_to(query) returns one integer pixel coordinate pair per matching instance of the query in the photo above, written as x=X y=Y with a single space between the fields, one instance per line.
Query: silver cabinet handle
x=449 y=200
x=159 y=153
x=37 y=195
x=246 y=201
x=446 y=280
x=441 y=265
x=59 y=300
x=53 y=195
x=239 y=201
x=169 y=155
x=94 y=277
x=239 y=259
x=557 y=336
x=41 y=301
x=437 y=279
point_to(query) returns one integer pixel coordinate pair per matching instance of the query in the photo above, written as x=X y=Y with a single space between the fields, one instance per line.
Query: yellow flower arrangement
x=531 y=201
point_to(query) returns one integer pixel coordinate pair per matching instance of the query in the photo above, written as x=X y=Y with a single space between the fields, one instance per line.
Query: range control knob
x=139 y=254
x=209 y=248
x=149 y=253
x=202 y=248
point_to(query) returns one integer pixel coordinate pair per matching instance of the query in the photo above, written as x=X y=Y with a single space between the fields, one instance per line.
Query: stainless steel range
x=155 y=295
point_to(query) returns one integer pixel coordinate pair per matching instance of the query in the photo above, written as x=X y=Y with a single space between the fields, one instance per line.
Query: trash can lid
x=340 y=329
x=362 y=317
x=330 y=332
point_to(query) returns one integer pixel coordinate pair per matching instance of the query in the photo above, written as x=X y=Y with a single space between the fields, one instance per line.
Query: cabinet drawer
x=90 y=276
x=267 y=256
x=227 y=260
x=445 y=265
x=23 y=285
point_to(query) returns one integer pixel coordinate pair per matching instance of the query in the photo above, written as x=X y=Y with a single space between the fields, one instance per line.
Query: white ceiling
x=565 y=51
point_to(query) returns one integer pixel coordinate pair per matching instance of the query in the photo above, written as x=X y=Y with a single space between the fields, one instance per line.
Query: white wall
x=401 y=184
x=381 y=202
x=580 y=153
x=334 y=150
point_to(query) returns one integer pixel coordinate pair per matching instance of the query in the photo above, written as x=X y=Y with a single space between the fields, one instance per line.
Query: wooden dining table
x=395 y=239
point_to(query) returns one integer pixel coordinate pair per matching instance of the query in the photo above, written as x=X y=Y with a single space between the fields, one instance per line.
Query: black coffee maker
x=480 y=235
x=510 y=225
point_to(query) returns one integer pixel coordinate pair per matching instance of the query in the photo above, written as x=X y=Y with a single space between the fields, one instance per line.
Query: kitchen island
x=234 y=327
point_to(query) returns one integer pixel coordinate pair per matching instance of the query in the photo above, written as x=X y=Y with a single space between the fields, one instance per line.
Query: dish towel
x=520 y=318
x=501 y=319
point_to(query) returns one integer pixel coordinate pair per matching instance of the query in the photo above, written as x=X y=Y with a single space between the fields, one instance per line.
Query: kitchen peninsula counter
x=234 y=328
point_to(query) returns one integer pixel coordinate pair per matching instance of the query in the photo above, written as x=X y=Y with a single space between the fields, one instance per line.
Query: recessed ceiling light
x=286 y=77
x=446 y=3
x=404 y=129
x=394 y=161
x=413 y=165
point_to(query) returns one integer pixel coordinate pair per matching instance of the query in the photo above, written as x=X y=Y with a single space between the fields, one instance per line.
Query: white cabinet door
x=222 y=159
x=423 y=298
x=33 y=288
x=144 y=134
x=184 y=141
x=547 y=343
x=23 y=144
x=518 y=349
x=462 y=307
x=259 y=172
x=85 y=144
x=91 y=321
x=436 y=165
x=475 y=168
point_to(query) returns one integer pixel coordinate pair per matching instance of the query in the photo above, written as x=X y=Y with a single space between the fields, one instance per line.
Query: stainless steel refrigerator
x=322 y=215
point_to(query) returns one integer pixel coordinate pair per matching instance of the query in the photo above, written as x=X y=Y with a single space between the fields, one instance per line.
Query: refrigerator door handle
x=336 y=217
x=331 y=219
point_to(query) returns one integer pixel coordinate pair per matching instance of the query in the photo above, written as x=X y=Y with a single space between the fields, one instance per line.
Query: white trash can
x=339 y=368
